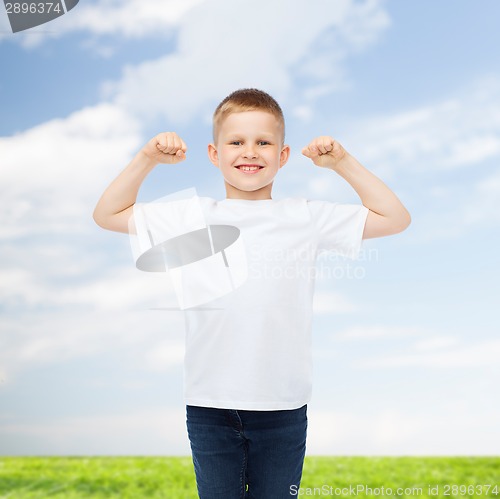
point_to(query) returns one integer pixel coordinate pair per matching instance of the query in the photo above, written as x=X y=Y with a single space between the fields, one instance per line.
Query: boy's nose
x=249 y=152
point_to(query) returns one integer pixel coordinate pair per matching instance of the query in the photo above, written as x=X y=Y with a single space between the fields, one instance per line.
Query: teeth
x=249 y=168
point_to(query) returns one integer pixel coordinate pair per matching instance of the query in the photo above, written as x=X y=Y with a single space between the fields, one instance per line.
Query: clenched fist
x=166 y=147
x=324 y=151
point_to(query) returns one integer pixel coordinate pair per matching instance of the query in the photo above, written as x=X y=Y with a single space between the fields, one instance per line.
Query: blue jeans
x=247 y=454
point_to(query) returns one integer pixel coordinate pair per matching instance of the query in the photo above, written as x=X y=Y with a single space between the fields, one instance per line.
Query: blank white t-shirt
x=251 y=348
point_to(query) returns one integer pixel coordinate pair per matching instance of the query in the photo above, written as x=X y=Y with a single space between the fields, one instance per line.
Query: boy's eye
x=263 y=143
x=236 y=143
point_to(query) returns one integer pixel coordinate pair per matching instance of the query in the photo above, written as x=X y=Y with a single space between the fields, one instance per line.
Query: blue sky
x=406 y=352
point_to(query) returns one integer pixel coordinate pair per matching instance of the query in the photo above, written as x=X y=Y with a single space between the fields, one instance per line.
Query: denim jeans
x=247 y=454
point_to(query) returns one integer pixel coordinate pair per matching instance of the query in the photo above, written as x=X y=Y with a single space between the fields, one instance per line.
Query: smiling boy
x=248 y=365
x=249 y=150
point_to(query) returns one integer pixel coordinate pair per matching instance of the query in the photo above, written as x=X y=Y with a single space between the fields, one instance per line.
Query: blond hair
x=247 y=99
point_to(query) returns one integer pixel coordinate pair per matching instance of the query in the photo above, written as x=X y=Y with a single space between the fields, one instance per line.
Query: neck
x=260 y=194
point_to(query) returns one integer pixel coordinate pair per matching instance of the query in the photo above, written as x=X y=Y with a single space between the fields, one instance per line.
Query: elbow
x=99 y=219
x=399 y=223
x=407 y=219
x=403 y=222
x=120 y=222
x=96 y=218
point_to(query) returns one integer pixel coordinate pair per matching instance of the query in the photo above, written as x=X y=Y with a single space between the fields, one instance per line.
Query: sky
x=406 y=342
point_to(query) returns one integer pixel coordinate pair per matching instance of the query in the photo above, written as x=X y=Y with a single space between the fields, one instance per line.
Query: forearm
x=374 y=194
x=122 y=192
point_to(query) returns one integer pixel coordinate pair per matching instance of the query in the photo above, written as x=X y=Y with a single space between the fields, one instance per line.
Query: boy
x=248 y=359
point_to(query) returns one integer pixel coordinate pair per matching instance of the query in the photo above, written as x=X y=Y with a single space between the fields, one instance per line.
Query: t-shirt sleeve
x=159 y=221
x=339 y=227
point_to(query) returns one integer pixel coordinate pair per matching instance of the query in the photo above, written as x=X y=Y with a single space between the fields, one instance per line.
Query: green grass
x=171 y=477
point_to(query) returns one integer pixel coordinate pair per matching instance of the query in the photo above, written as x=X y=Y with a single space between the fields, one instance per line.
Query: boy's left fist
x=324 y=151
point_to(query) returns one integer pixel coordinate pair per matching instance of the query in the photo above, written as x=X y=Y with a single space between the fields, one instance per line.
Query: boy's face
x=249 y=153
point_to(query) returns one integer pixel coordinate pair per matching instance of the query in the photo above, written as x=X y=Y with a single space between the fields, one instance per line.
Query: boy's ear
x=213 y=155
x=285 y=154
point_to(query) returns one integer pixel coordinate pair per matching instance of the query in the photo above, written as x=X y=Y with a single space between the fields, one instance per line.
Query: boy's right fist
x=166 y=147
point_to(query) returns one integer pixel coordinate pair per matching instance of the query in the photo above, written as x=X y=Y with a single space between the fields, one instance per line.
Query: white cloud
x=81 y=317
x=156 y=338
x=117 y=289
x=304 y=113
x=164 y=355
x=326 y=302
x=219 y=50
x=422 y=348
x=127 y=18
x=473 y=150
x=130 y=18
x=482 y=206
x=435 y=343
x=145 y=432
x=377 y=332
x=460 y=131
x=51 y=174
x=490 y=185
x=346 y=433
x=393 y=431
x=482 y=354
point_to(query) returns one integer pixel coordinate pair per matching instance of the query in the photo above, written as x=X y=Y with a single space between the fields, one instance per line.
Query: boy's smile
x=249 y=152
x=249 y=168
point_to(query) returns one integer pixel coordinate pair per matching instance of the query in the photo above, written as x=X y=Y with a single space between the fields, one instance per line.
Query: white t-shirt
x=250 y=348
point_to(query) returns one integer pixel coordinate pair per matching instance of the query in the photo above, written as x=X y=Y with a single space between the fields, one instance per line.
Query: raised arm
x=115 y=206
x=387 y=214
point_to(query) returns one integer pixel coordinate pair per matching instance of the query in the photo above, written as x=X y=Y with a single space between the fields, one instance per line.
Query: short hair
x=247 y=99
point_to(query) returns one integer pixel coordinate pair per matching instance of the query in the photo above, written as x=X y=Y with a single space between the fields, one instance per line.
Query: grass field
x=171 y=477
